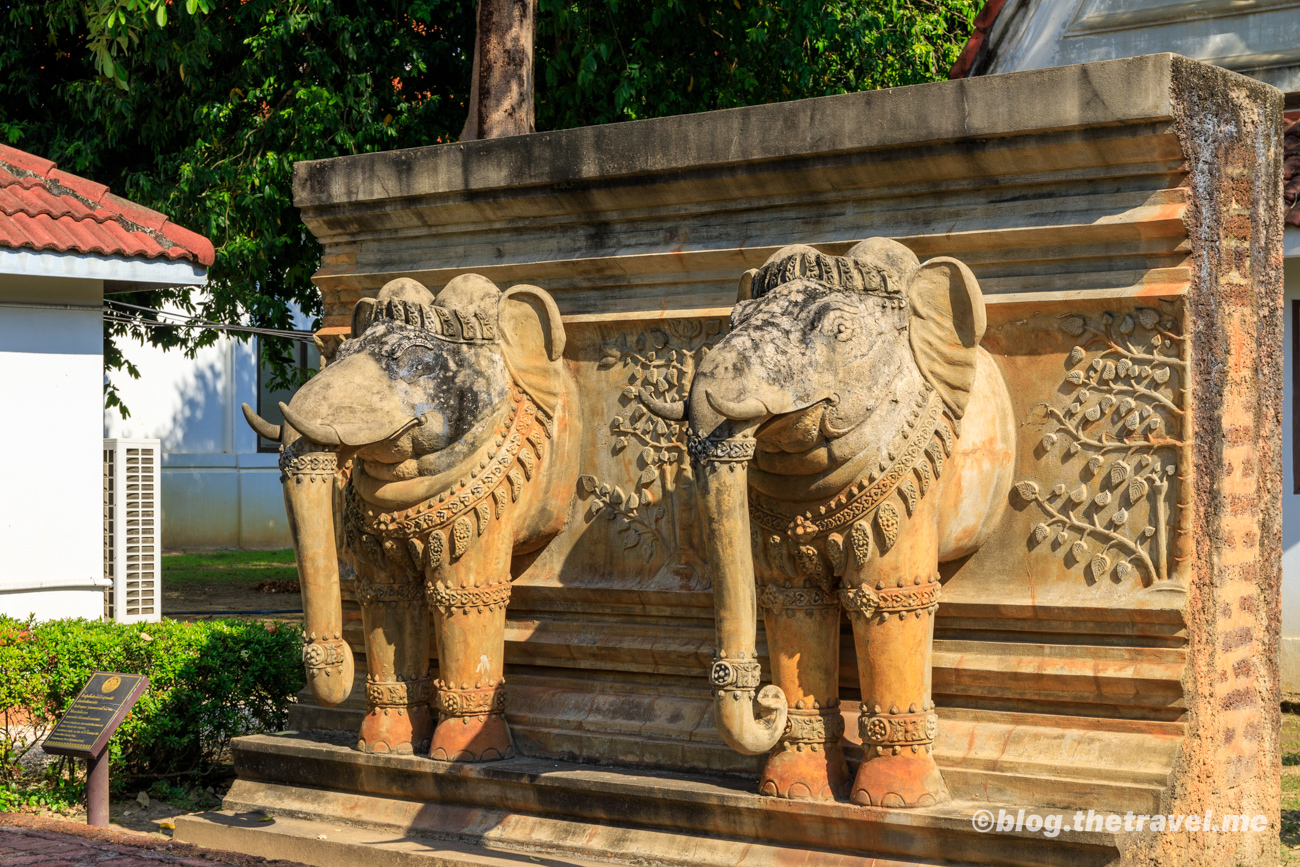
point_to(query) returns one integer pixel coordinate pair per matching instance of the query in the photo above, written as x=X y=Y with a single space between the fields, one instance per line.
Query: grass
x=198 y=569
x=1290 y=748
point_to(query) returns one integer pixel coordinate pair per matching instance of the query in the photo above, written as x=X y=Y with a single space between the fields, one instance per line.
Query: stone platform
x=411 y=810
x=1119 y=216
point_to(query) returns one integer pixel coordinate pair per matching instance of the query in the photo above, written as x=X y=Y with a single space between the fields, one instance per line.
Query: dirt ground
x=37 y=840
x=155 y=819
x=199 y=585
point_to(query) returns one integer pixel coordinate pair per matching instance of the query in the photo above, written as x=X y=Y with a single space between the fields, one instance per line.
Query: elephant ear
x=362 y=314
x=532 y=341
x=947 y=324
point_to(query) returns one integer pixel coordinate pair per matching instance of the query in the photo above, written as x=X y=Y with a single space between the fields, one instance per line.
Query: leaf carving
x=1027 y=490
x=1119 y=472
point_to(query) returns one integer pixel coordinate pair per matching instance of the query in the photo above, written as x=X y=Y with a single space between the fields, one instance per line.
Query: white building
x=1258 y=38
x=220 y=481
x=64 y=242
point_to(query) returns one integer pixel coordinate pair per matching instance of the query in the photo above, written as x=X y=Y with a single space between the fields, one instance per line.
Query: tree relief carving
x=652 y=451
x=1119 y=438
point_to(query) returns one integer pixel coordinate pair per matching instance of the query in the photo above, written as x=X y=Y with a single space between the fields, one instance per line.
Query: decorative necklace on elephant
x=815 y=543
x=441 y=529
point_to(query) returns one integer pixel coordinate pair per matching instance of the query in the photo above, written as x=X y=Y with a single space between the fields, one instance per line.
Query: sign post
x=86 y=728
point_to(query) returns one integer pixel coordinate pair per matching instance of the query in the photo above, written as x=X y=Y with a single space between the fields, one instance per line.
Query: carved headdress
x=946 y=318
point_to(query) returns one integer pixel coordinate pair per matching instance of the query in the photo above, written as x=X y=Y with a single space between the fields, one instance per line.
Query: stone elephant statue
x=848 y=435
x=442 y=432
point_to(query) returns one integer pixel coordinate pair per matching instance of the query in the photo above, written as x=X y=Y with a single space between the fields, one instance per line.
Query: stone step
x=562 y=811
x=334 y=844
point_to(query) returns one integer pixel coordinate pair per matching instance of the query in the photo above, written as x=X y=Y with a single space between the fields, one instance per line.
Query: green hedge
x=208 y=682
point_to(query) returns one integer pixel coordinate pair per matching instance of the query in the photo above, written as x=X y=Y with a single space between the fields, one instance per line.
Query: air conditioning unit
x=132 y=551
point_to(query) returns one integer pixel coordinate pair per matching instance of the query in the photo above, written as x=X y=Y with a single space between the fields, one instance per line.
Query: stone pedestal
x=580 y=814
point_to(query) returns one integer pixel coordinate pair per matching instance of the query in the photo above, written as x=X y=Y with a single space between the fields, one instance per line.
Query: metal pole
x=97 y=790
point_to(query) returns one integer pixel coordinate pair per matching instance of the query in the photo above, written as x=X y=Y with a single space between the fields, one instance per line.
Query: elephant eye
x=840 y=324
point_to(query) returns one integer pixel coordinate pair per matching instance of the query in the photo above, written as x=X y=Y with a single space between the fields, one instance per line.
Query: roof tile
x=25 y=161
x=43 y=208
x=80 y=186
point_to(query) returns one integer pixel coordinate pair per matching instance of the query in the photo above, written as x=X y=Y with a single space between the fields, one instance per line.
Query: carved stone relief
x=648 y=492
x=1112 y=446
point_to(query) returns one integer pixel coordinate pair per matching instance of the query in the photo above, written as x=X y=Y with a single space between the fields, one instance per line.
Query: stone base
x=412 y=808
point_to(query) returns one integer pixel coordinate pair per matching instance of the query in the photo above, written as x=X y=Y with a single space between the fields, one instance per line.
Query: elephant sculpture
x=848 y=434
x=441 y=437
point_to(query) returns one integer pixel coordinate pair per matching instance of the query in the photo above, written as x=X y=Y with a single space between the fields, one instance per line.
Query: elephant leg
x=891 y=604
x=803 y=643
x=396 y=623
x=470 y=623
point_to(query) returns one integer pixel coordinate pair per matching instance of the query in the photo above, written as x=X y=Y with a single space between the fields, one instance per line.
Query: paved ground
x=32 y=841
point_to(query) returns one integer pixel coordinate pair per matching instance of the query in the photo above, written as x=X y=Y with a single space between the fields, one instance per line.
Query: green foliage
x=202 y=114
x=114 y=25
x=610 y=60
x=208 y=682
x=216 y=110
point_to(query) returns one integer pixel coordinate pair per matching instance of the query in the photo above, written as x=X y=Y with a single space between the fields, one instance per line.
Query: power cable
x=123 y=317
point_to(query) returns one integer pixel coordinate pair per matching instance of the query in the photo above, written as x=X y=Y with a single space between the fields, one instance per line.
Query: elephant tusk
x=318 y=433
x=264 y=428
x=328 y=435
x=745 y=410
x=829 y=430
x=667 y=410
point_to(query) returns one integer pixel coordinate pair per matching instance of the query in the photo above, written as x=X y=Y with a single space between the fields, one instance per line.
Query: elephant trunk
x=308 y=474
x=749 y=723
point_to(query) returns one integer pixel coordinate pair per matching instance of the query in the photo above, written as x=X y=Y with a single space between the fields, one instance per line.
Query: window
x=307 y=357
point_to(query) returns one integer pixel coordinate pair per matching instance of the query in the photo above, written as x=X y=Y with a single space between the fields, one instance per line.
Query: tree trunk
x=501 y=95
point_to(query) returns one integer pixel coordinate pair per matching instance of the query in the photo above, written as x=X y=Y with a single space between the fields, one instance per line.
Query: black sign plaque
x=94 y=715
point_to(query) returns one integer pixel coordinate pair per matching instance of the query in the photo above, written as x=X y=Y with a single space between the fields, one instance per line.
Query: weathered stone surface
x=435 y=444
x=609 y=815
x=1112 y=642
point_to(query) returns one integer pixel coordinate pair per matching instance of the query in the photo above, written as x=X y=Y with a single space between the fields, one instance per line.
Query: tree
x=501 y=96
x=201 y=112
x=601 y=61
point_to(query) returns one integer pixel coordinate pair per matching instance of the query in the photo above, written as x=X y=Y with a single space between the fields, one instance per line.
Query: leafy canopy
x=610 y=60
x=199 y=110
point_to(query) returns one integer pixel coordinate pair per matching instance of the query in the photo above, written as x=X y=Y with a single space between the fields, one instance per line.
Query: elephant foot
x=395 y=727
x=909 y=779
x=805 y=772
x=478 y=738
x=808 y=762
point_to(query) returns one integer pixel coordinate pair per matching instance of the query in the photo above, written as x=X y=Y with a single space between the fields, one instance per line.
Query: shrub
x=208 y=682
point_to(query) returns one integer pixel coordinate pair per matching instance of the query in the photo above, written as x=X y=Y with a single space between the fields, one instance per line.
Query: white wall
x=51 y=514
x=1260 y=39
x=1290 y=500
x=218 y=491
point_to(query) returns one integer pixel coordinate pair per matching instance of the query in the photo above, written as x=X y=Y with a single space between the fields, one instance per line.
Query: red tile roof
x=45 y=209
x=983 y=24
x=1291 y=167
